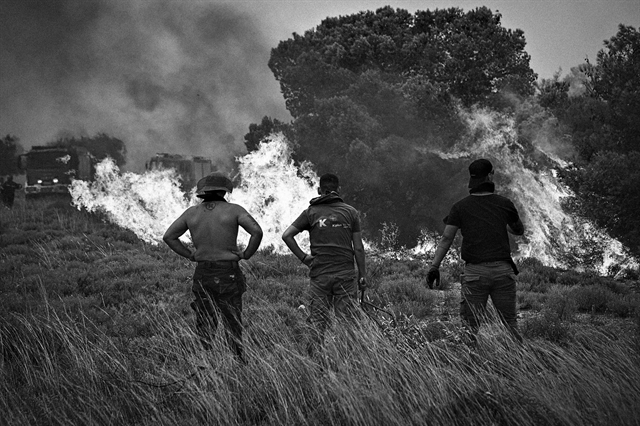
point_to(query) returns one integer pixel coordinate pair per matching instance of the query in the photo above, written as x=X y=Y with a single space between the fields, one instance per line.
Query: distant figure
x=335 y=237
x=485 y=219
x=9 y=192
x=218 y=282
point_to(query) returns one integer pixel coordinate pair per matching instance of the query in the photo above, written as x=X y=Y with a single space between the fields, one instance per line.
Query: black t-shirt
x=483 y=221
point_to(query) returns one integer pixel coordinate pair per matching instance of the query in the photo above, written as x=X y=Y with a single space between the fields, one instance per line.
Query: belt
x=219 y=263
x=510 y=262
x=493 y=262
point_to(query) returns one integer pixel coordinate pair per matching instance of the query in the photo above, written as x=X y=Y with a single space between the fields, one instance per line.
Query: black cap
x=478 y=171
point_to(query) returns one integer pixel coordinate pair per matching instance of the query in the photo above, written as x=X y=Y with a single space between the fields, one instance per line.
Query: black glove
x=433 y=276
x=362 y=283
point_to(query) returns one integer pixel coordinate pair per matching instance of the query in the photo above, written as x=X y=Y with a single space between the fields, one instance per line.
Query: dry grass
x=95 y=328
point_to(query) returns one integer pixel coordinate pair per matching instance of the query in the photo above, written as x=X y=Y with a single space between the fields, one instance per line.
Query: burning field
x=96 y=329
x=274 y=190
x=95 y=324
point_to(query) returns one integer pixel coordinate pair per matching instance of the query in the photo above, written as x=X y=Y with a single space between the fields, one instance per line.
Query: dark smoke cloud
x=164 y=76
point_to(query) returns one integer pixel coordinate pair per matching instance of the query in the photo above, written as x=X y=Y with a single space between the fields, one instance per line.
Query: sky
x=189 y=76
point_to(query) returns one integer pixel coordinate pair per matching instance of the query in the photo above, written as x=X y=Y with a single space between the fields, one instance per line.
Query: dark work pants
x=489 y=279
x=339 y=291
x=218 y=289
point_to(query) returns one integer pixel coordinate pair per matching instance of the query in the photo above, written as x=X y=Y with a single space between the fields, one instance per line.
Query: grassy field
x=96 y=328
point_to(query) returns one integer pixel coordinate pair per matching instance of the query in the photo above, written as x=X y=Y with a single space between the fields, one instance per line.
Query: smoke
x=527 y=175
x=163 y=76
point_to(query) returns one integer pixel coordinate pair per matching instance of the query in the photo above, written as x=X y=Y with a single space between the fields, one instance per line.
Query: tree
x=373 y=93
x=10 y=149
x=618 y=83
x=604 y=128
x=608 y=189
x=469 y=56
x=257 y=132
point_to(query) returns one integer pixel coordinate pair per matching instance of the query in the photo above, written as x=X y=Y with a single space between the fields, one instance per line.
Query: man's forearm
x=360 y=263
x=294 y=247
x=441 y=251
x=252 y=247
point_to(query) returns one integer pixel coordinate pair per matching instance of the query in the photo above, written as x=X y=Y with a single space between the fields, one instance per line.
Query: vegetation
x=599 y=105
x=95 y=328
x=373 y=93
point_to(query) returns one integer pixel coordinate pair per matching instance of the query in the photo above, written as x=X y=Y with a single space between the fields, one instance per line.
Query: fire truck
x=50 y=169
x=190 y=169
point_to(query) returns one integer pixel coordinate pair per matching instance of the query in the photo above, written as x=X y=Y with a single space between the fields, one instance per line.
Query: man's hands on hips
x=308 y=259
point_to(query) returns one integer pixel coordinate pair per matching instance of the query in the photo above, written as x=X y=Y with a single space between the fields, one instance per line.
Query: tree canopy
x=602 y=120
x=373 y=93
x=466 y=55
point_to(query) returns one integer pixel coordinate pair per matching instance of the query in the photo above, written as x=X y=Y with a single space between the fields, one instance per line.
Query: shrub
x=623 y=306
x=591 y=298
x=546 y=326
x=560 y=304
x=531 y=300
x=530 y=281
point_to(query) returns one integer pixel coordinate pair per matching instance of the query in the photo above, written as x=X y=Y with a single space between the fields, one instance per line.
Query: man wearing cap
x=485 y=219
x=335 y=238
x=218 y=282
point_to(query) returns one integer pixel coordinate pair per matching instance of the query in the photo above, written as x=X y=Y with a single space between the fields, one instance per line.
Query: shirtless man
x=218 y=282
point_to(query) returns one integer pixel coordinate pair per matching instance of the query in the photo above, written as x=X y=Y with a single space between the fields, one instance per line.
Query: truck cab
x=50 y=169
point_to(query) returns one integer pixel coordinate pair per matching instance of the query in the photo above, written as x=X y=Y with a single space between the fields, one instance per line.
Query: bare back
x=214 y=229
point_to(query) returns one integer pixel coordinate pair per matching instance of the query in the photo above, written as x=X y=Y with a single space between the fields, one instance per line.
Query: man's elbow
x=517 y=228
x=287 y=235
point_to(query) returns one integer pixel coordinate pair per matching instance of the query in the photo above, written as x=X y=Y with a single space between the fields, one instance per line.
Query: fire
x=551 y=235
x=145 y=204
x=275 y=191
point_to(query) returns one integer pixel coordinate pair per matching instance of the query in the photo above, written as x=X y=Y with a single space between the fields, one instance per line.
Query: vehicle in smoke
x=51 y=169
x=190 y=169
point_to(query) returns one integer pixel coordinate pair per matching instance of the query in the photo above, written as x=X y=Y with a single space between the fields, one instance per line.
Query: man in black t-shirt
x=485 y=220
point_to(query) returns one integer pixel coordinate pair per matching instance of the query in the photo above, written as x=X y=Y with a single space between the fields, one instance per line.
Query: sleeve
x=454 y=217
x=513 y=215
x=355 y=227
x=302 y=222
